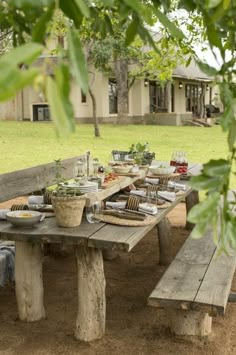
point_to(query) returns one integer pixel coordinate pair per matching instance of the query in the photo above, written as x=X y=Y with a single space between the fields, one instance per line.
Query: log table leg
x=164 y=236
x=189 y=322
x=29 y=283
x=191 y=200
x=90 y=322
x=109 y=254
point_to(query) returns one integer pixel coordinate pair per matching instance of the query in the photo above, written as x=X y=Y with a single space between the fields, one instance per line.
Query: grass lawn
x=25 y=144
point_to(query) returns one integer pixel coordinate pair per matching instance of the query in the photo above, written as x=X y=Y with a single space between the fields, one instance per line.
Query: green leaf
x=203 y=182
x=227 y=118
x=77 y=59
x=131 y=31
x=232 y=136
x=83 y=7
x=70 y=9
x=205 y=209
x=206 y=68
x=40 y=27
x=13 y=80
x=216 y=167
x=136 y=5
x=62 y=76
x=57 y=103
x=25 y=54
x=213 y=3
x=213 y=35
x=176 y=32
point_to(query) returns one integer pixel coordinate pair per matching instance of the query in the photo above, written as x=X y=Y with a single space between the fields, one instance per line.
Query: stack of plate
x=89 y=186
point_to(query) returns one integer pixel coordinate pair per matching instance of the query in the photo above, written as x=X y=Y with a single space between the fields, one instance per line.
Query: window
x=158 y=97
x=83 y=98
x=112 y=90
x=192 y=98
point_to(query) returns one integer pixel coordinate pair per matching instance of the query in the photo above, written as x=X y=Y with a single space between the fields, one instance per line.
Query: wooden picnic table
x=89 y=240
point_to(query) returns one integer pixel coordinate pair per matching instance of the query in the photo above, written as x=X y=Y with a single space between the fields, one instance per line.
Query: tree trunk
x=121 y=73
x=168 y=96
x=95 y=119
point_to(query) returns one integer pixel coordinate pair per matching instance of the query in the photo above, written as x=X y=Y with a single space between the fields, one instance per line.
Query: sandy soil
x=131 y=326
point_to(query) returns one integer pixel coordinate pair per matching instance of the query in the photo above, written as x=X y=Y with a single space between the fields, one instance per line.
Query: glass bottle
x=80 y=168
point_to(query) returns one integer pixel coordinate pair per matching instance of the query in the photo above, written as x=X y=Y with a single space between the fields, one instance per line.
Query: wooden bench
x=195 y=287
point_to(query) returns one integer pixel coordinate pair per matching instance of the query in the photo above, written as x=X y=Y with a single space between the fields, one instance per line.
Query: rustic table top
x=98 y=235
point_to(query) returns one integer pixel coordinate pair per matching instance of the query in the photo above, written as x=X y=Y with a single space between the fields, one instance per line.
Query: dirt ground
x=132 y=327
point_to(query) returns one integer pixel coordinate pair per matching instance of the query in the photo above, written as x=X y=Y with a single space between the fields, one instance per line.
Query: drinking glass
x=93 y=210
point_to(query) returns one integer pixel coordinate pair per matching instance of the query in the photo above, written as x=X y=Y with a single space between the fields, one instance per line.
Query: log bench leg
x=90 y=322
x=191 y=200
x=164 y=237
x=189 y=322
x=29 y=283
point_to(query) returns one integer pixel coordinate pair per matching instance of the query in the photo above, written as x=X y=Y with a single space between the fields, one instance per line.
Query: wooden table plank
x=48 y=231
x=123 y=182
x=125 y=238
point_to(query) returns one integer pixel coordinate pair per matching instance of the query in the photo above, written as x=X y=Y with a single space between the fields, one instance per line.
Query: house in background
x=177 y=103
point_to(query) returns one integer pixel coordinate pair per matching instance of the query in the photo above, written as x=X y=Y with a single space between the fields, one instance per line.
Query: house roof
x=192 y=72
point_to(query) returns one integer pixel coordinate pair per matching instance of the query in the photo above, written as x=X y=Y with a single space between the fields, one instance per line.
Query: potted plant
x=141 y=154
x=68 y=202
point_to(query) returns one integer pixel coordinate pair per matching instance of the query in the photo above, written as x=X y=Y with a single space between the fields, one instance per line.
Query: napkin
x=167 y=195
x=119 y=204
x=35 y=200
x=151 y=181
x=149 y=208
x=3 y=213
x=143 y=207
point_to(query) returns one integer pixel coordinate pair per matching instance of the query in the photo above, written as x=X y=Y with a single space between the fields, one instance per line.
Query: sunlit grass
x=25 y=144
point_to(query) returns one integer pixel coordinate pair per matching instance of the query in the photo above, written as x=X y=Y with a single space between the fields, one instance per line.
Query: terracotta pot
x=68 y=210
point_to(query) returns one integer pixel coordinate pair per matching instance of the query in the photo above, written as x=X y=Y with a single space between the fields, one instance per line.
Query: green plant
x=141 y=153
x=61 y=189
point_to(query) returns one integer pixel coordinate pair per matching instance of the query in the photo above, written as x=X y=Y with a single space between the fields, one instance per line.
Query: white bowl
x=121 y=169
x=24 y=218
x=160 y=164
x=162 y=170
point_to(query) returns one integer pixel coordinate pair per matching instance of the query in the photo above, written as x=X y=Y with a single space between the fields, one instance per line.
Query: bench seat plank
x=180 y=284
x=215 y=288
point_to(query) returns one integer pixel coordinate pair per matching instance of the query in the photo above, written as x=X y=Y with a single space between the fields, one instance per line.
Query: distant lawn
x=25 y=144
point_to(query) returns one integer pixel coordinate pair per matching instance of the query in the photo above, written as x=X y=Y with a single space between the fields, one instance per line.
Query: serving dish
x=162 y=170
x=24 y=218
x=121 y=169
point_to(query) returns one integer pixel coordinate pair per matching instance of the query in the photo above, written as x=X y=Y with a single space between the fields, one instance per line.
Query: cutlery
x=123 y=214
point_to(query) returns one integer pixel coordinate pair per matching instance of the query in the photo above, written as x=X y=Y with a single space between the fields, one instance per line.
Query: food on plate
x=110 y=177
x=25 y=215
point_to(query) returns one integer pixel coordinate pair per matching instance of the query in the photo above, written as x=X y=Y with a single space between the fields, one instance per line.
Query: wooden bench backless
x=195 y=287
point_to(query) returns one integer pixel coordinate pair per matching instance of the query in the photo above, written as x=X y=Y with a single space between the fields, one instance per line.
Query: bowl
x=162 y=170
x=24 y=218
x=121 y=169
